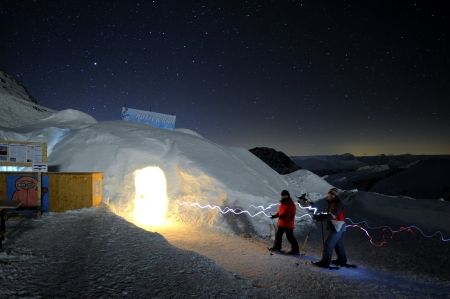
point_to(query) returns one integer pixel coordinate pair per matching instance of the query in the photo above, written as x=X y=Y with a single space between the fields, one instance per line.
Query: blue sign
x=157 y=120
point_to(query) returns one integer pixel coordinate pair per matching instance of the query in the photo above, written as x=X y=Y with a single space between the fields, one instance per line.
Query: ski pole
x=273 y=224
x=323 y=238
x=302 y=250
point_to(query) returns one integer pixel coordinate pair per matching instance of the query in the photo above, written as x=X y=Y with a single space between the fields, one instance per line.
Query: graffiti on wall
x=24 y=188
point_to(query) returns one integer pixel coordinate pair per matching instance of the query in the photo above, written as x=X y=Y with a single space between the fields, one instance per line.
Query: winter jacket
x=286 y=213
x=336 y=209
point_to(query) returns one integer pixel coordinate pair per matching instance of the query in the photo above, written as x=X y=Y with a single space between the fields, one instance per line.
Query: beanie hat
x=334 y=191
x=285 y=193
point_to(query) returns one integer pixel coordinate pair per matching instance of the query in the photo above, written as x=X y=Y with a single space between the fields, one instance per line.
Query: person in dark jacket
x=286 y=220
x=336 y=226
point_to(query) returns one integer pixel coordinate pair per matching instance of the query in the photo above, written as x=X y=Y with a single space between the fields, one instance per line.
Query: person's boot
x=322 y=264
x=339 y=262
x=275 y=249
x=294 y=252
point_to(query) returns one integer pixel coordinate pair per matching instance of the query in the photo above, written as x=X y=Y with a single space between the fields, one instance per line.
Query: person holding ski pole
x=335 y=218
x=286 y=219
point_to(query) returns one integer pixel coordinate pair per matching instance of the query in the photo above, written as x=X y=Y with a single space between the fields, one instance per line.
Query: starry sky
x=304 y=77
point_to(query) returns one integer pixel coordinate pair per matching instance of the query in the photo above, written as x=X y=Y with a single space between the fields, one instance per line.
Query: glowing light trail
x=358 y=225
x=225 y=210
x=239 y=211
x=381 y=244
x=384 y=228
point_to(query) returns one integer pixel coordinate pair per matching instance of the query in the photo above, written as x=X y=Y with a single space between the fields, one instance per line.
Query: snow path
x=292 y=277
x=93 y=253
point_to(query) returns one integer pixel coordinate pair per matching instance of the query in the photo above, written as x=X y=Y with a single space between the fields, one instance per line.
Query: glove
x=273 y=216
x=321 y=216
x=303 y=201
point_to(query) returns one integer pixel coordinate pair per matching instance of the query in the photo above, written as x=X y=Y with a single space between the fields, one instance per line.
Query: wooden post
x=2 y=228
x=39 y=191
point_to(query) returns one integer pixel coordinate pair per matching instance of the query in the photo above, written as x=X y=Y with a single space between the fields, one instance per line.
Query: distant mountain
x=278 y=161
x=425 y=179
x=393 y=161
x=323 y=165
x=362 y=179
x=10 y=86
x=17 y=106
x=418 y=176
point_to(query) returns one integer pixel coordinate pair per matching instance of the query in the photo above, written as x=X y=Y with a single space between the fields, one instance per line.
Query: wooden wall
x=67 y=191
x=70 y=191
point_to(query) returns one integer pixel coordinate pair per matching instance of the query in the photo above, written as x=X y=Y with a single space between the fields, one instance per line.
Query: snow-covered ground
x=94 y=253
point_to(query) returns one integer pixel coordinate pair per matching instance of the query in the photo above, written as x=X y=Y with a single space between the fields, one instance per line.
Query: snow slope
x=16 y=105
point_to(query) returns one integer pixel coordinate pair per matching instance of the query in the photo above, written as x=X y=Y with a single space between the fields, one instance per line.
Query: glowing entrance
x=150 y=202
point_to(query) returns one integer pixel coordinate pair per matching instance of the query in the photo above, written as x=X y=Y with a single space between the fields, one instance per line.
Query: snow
x=94 y=253
x=308 y=182
x=16 y=107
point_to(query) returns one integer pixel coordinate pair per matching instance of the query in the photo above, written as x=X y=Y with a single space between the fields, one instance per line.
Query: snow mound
x=187 y=131
x=69 y=118
x=308 y=182
x=196 y=169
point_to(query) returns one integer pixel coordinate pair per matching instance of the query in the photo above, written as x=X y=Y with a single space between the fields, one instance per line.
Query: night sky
x=304 y=77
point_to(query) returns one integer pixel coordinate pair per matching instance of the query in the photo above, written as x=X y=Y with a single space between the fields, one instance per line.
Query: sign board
x=40 y=167
x=154 y=119
x=22 y=153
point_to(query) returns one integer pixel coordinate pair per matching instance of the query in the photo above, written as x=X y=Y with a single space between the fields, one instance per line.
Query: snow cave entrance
x=150 y=202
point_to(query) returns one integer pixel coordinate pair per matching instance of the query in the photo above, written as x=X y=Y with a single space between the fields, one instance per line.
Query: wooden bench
x=5 y=205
